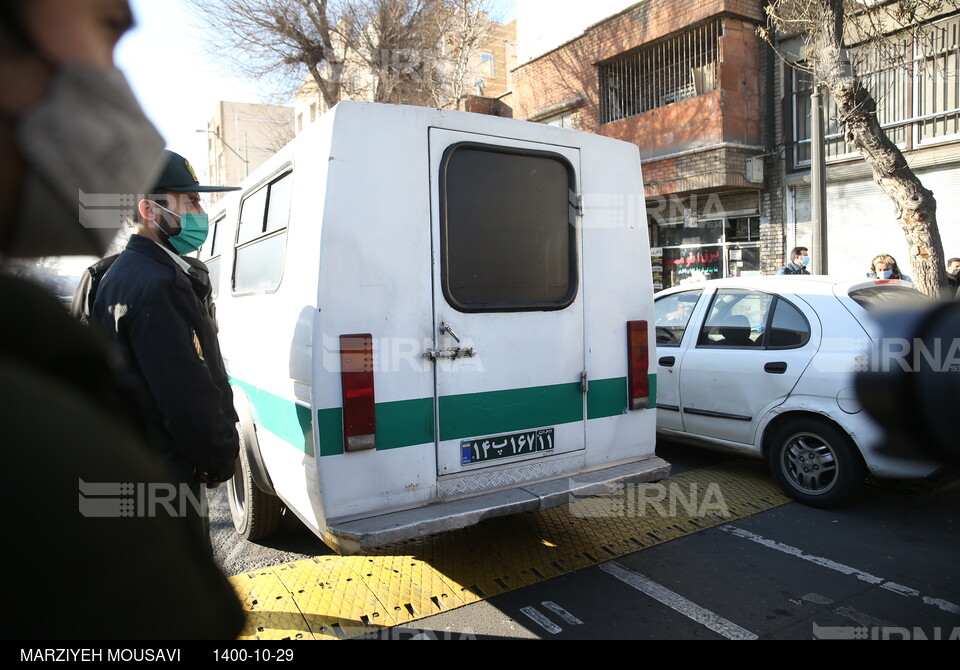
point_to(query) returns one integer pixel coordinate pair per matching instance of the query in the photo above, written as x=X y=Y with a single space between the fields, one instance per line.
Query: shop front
x=696 y=250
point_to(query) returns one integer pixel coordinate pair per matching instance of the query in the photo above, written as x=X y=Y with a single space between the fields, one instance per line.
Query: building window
x=564 y=120
x=802 y=88
x=659 y=74
x=937 y=92
x=915 y=105
x=488 y=65
x=889 y=86
x=490 y=194
x=262 y=237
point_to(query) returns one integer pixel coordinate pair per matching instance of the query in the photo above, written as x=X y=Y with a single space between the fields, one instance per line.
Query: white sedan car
x=765 y=366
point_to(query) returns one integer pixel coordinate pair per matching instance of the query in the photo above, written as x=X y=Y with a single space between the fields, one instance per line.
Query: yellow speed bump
x=339 y=597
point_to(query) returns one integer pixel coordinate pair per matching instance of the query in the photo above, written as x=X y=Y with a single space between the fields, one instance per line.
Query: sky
x=178 y=83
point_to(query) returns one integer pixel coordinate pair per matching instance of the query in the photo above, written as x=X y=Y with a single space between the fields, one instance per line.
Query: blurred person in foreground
x=94 y=559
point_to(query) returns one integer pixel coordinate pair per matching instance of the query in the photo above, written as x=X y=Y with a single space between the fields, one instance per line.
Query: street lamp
x=246 y=161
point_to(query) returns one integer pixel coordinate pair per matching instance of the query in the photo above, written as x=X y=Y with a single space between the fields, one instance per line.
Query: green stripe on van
x=399 y=424
x=608 y=397
x=285 y=419
x=476 y=414
x=411 y=422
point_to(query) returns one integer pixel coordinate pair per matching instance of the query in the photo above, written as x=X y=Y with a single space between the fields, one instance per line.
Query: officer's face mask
x=805 y=261
x=88 y=148
x=885 y=274
x=192 y=233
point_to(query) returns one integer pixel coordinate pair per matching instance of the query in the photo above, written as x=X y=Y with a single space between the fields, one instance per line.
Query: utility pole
x=818 y=184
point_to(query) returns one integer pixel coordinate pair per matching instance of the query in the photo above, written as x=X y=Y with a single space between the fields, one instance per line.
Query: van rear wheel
x=256 y=514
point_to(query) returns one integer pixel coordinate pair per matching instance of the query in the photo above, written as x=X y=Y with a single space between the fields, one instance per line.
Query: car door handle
x=667 y=361
x=777 y=368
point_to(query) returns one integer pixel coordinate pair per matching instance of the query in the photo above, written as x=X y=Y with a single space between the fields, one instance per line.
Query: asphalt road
x=236 y=556
x=884 y=566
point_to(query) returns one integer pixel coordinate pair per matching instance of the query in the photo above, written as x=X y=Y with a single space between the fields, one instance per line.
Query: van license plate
x=504 y=446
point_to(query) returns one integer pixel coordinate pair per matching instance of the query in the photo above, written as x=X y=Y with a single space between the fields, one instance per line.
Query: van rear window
x=507 y=229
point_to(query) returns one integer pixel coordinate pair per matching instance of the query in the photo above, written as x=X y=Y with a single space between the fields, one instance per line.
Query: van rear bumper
x=350 y=537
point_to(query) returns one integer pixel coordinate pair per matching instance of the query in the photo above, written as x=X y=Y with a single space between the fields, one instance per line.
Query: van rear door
x=508 y=331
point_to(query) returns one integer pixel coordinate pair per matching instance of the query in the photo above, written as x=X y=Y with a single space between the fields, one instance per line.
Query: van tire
x=256 y=514
x=815 y=462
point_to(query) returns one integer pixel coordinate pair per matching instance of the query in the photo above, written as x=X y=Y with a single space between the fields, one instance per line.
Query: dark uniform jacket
x=793 y=269
x=160 y=319
x=68 y=424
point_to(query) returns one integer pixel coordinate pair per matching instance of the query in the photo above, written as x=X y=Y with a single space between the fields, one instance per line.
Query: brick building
x=723 y=127
x=687 y=81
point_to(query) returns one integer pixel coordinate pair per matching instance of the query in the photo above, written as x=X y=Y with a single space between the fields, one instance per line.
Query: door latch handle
x=447 y=330
x=667 y=361
x=778 y=368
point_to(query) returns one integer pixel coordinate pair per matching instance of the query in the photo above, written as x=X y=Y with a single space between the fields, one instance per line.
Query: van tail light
x=638 y=359
x=359 y=406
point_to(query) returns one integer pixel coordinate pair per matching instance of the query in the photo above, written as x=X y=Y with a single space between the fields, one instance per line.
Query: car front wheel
x=815 y=462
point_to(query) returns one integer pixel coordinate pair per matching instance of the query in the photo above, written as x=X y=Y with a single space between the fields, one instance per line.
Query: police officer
x=155 y=307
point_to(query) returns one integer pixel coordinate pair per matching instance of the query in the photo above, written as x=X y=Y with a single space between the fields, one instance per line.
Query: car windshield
x=886 y=296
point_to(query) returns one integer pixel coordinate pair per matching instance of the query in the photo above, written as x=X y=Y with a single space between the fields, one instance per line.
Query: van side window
x=507 y=229
x=210 y=254
x=262 y=237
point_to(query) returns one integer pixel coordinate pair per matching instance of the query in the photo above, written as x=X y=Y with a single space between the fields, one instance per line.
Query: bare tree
x=465 y=26
x=402 y=51
x=837 y=36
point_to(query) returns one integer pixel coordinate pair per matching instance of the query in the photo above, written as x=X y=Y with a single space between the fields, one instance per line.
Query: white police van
x=433 y=317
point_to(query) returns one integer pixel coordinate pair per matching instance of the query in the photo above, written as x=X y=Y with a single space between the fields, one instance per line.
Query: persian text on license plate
x=504 y=446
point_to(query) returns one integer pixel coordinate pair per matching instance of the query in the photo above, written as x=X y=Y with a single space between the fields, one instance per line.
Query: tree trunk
x=916 y=208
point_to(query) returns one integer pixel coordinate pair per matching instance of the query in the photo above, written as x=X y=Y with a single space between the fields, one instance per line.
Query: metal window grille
x=924 y=99
x=937 y=94
x=657 y=75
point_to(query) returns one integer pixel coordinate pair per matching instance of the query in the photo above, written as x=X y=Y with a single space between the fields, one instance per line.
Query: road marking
x=893 y=587
x=541 y=620
x=861 y=618
x=817 y=598
x=675 y=601
x=562 y=613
